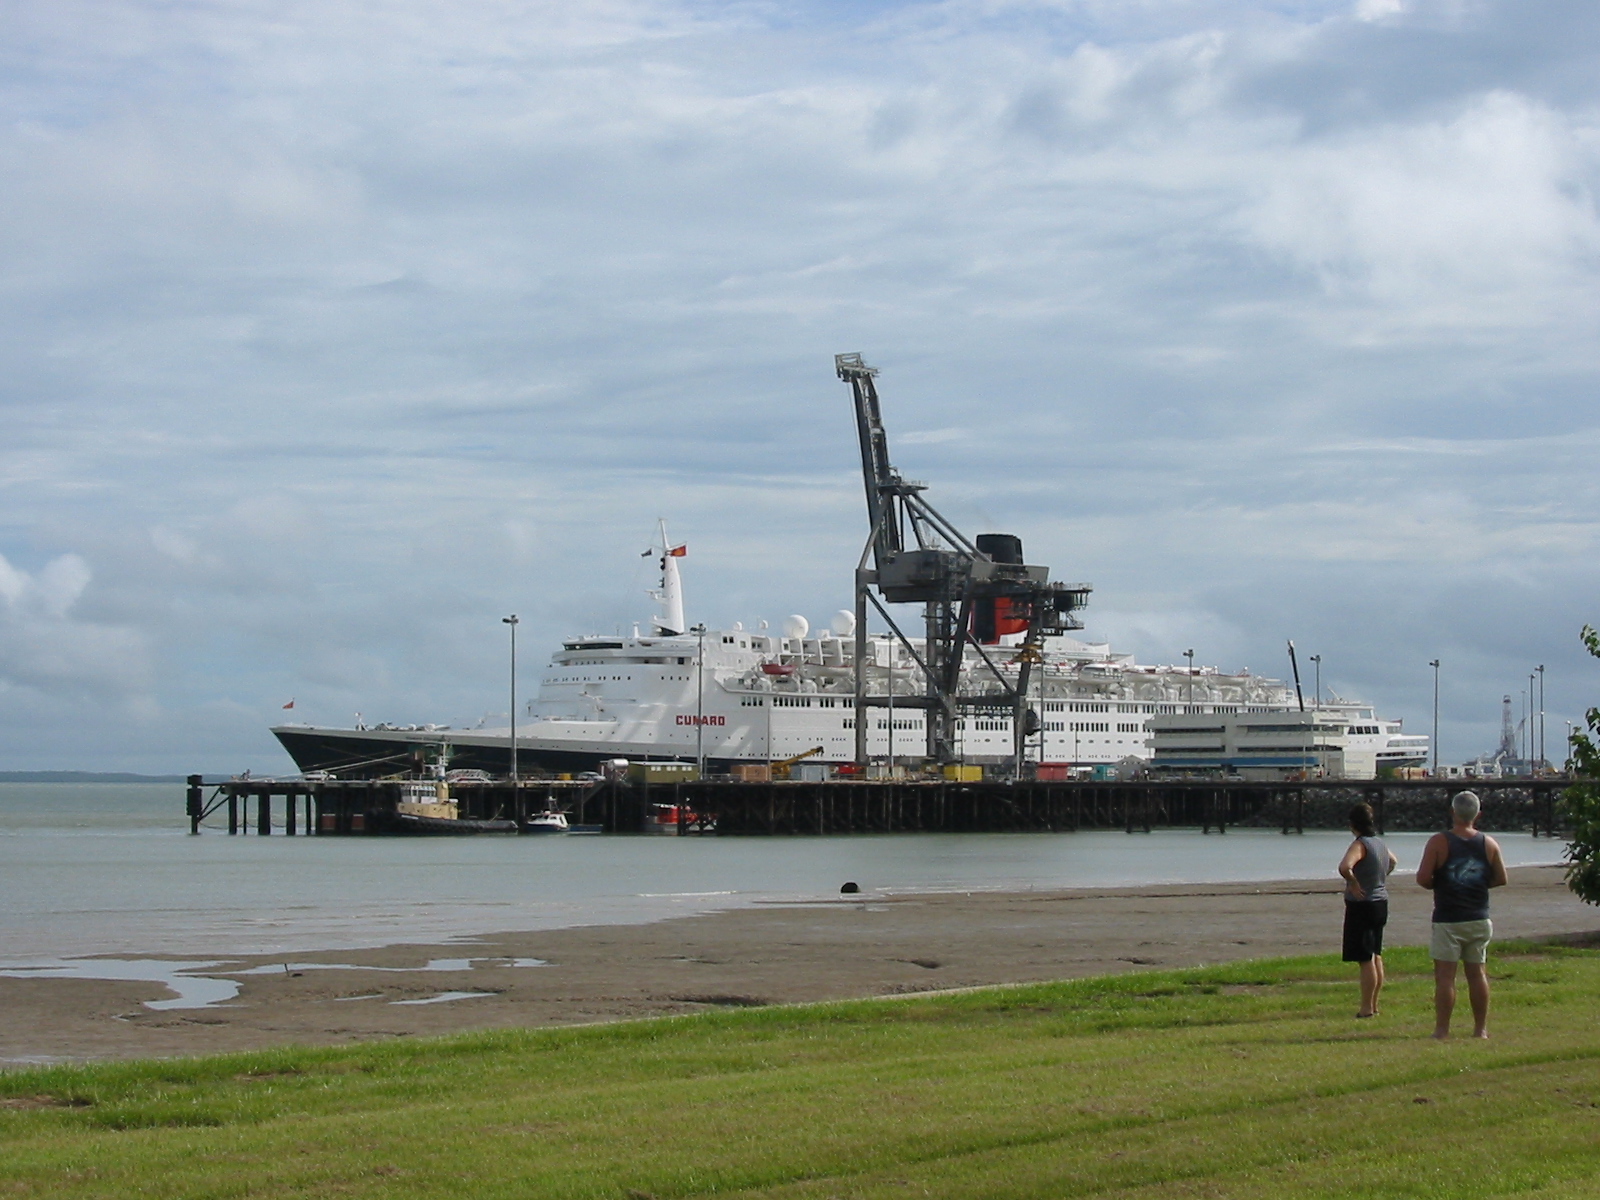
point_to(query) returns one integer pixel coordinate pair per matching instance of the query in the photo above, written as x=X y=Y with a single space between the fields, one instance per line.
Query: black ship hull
x=373 y=754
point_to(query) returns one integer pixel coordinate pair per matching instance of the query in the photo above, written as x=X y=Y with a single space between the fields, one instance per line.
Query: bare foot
x=1441 y=1035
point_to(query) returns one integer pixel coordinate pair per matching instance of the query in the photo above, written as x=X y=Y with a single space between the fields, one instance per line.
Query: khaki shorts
x=1461 y=941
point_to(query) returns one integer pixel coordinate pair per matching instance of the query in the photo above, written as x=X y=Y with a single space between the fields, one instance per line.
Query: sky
x=335 y=331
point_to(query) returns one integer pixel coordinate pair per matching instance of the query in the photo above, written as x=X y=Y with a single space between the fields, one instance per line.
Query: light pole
x=1317 y=658
x=1189 y=654
x=892 y=648
x=1435 y=665
x=513 y=622
x=700 y=702
x=1528 y=753
x=1043 y=731
x=1541 y=715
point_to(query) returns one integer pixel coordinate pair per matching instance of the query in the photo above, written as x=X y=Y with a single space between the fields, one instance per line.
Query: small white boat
x=549 y=821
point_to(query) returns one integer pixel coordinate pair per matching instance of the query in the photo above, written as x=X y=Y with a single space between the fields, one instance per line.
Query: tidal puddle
x=210 y=983
x=190 y=991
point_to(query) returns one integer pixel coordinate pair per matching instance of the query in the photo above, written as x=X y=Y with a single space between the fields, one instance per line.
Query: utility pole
x=1317 y=687
x=512 y=621
x=1189 y=654
x=1435 y=665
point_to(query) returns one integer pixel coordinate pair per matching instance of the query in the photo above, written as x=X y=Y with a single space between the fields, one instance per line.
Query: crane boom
x=971 y=592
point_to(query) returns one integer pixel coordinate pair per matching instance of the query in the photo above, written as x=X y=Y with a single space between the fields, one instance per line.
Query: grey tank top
x=1372 y=872
x=1461 y=885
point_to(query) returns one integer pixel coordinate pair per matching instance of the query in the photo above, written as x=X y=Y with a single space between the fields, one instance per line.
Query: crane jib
x=972 y=592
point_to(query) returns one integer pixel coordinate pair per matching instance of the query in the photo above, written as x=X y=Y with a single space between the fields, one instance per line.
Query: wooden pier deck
x=361 y=806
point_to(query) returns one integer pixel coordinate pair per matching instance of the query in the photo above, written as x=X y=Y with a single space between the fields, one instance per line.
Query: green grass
x=1245 y=1080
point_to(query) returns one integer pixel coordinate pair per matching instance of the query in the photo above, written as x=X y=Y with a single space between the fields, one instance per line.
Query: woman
x=1365 y=867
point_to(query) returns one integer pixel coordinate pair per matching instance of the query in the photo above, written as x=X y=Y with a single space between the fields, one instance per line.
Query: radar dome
x=796 y=627
x=844 y=623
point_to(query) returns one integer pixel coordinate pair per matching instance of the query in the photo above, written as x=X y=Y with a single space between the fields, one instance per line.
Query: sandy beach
x=833 y=948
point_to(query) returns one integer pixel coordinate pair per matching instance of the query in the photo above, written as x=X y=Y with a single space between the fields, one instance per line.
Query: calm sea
x=112 y=869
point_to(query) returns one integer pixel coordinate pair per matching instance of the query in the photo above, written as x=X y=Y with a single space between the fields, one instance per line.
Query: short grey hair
x=1465 y=805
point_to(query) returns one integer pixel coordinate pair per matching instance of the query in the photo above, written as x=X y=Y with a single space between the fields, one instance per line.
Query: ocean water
x=111 y=869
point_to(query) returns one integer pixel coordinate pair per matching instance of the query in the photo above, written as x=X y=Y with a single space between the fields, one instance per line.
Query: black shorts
x=1363 y=929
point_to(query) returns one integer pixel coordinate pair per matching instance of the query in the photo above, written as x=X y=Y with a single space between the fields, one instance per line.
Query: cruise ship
x=754 y=695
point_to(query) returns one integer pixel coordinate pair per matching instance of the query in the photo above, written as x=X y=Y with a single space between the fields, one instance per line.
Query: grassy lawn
x=1243 y=1080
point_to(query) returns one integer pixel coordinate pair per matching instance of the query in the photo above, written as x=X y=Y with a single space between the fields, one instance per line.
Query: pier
x=367 y=806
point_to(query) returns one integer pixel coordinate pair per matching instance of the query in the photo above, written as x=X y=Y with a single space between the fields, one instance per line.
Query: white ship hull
x=740 y=696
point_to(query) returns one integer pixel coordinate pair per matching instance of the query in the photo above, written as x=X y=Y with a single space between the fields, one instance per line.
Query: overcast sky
x=334 y=331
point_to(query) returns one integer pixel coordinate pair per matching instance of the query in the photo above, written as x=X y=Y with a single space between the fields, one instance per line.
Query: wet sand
x=833 y=948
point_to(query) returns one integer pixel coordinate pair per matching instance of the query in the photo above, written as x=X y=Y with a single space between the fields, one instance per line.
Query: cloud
x=1482 y=219
x=335 y=331
x=44 y=648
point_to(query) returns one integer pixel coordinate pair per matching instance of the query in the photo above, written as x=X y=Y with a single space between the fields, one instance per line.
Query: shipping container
x=662 y=772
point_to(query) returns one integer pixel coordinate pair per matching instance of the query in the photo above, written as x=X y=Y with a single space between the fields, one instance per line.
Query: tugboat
x=426 y=807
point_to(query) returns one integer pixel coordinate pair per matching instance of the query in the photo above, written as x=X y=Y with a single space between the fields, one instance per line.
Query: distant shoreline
x=85 y=777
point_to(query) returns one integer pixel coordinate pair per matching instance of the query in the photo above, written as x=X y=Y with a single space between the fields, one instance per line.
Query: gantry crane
x=972 y=592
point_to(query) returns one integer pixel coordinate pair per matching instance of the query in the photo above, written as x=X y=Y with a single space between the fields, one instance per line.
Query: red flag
x=679 y=551
x=290 y=704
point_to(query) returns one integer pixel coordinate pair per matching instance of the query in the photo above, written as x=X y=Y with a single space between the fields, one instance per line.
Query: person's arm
x=1347 y=868
x=1497 y=864
x=1430 y=861
x=1393 y=862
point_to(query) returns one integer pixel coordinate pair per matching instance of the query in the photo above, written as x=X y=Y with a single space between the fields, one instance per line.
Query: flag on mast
x=679 y=551
x=290 y=704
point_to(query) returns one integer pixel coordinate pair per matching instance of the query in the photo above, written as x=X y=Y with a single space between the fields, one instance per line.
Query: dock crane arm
x=780 y=769
x=957 y=580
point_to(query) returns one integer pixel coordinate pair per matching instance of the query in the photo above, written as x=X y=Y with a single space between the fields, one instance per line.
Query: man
x=1460 y=867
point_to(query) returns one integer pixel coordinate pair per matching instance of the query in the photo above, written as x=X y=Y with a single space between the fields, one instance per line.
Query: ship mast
x=670 y=593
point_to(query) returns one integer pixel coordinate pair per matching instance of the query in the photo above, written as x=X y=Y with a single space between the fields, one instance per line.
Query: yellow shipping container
x=962 y=774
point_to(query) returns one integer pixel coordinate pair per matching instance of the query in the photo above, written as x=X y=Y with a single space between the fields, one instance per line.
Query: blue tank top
x=1461 y=884
x=1372 y=872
